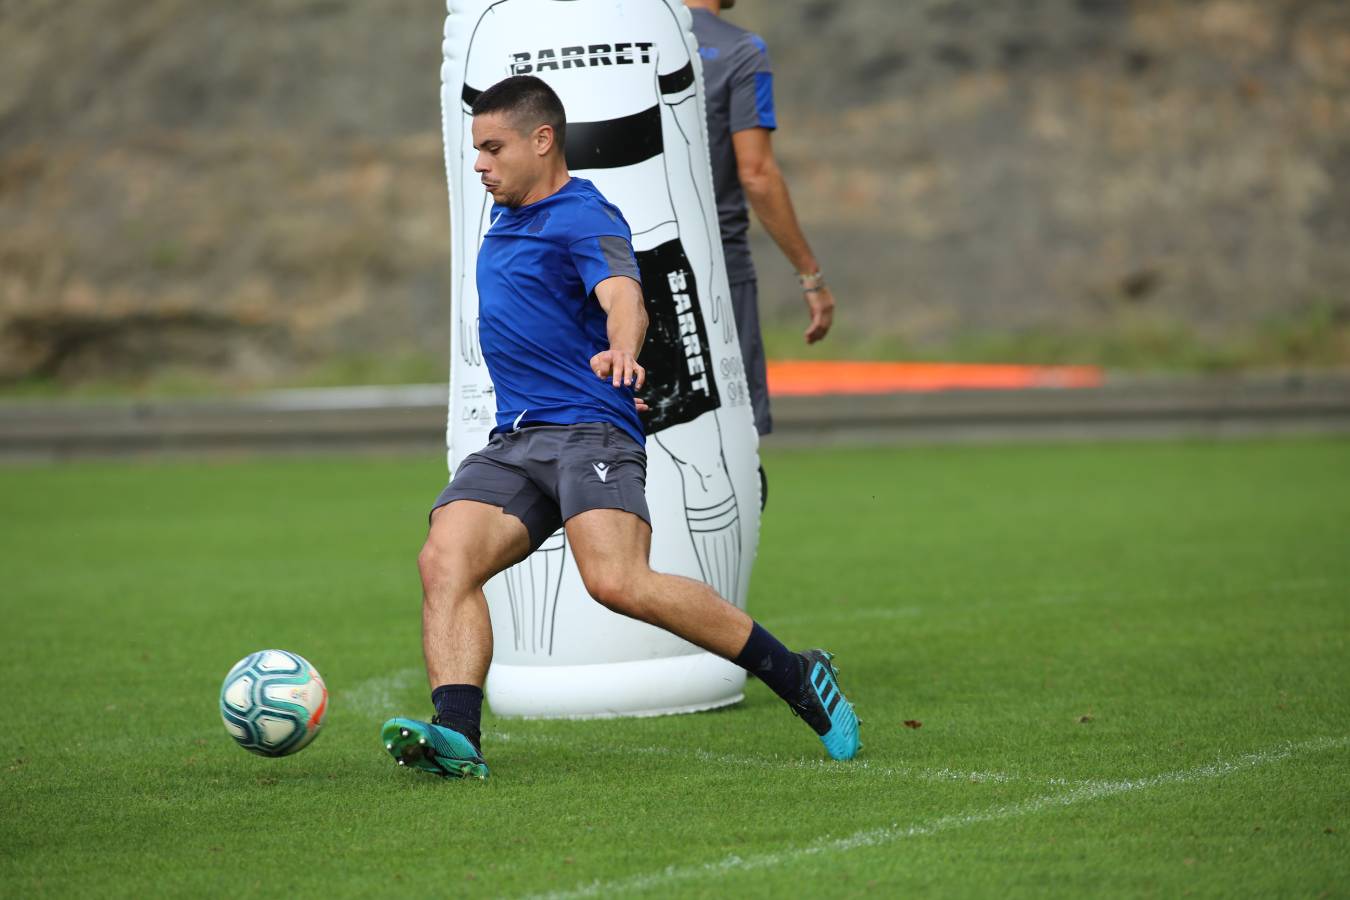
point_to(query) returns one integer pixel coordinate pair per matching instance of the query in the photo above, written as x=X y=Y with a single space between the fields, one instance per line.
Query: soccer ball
x=273 y=702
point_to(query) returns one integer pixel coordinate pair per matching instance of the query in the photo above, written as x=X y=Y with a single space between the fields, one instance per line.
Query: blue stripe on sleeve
x=764 y=100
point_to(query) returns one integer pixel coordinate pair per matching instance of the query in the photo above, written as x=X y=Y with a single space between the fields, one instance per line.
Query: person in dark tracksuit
x=738 y=87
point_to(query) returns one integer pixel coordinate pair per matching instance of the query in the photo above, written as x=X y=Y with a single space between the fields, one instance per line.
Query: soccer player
x=561 y=321
x=633 y=115
x=738 y=88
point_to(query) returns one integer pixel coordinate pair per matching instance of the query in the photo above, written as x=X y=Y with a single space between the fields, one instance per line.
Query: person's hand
x=620 y=367
x=820 y=306
x=641 y=405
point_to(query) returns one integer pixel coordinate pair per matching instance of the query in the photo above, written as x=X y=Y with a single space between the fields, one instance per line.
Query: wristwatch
x=811 y=282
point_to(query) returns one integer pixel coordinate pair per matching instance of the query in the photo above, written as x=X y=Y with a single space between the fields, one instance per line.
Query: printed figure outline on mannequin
x=622 y=153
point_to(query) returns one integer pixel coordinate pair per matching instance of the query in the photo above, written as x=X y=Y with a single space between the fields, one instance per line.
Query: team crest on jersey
x=581 y=56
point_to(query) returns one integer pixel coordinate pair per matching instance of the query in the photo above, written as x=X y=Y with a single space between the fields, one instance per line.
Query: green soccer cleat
x=824 y=707
x=433 y=748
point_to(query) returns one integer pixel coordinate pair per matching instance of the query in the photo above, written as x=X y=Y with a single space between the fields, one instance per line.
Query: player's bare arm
x=768 y=194
x=621 y=299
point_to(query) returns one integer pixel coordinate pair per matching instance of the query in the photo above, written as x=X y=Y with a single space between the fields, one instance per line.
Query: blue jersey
x=539 y=321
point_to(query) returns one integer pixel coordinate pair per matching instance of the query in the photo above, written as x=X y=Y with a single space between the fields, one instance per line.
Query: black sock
x=772 y=663
x=460 y=706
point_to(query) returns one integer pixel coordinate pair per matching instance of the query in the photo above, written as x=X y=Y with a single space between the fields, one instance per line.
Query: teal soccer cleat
x=433 y=748
x=825 y=708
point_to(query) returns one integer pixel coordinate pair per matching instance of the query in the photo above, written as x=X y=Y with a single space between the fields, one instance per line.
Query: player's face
x=509 y=163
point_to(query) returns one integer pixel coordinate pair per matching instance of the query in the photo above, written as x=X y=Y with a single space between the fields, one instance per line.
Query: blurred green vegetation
x=335 y=371
x=1315 y=338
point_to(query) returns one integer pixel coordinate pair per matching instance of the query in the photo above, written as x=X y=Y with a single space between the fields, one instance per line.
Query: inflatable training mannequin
x=630 y=79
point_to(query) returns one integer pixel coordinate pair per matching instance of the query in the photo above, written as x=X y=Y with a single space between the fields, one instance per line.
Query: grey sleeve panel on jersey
x=619 y=256
x=751 y=82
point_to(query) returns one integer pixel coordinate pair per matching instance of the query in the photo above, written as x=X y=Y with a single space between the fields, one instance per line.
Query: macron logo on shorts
x=602 y=470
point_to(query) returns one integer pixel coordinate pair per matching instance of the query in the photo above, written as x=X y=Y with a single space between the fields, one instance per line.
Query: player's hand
x=820 y=306
x=620 y=367
x=641 y=405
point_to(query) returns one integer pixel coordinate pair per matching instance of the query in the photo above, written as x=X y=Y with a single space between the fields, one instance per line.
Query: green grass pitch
x=1129 y=663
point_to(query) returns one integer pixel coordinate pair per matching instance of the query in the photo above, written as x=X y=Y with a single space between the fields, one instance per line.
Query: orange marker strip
x=805 y=378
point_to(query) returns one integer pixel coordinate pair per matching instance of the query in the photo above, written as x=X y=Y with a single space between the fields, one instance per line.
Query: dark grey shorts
x=546 y=474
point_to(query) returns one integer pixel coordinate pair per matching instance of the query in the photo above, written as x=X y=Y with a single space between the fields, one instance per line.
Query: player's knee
x=430 y=562
x=612 y=590
x=439 y=564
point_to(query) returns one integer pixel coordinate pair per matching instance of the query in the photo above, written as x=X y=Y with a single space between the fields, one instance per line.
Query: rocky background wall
x=251 y=190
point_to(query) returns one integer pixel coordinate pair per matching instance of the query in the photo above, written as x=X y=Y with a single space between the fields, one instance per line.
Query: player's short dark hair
x=529 y=101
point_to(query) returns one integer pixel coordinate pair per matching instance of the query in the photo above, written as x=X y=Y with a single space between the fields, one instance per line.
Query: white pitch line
x=378 y=696
x=835 y=614
x=1064 y=595
x=874 y=837
x=824 y=767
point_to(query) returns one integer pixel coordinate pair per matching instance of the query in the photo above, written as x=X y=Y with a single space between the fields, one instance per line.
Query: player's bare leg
x=612 y=548
x=467 y=544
